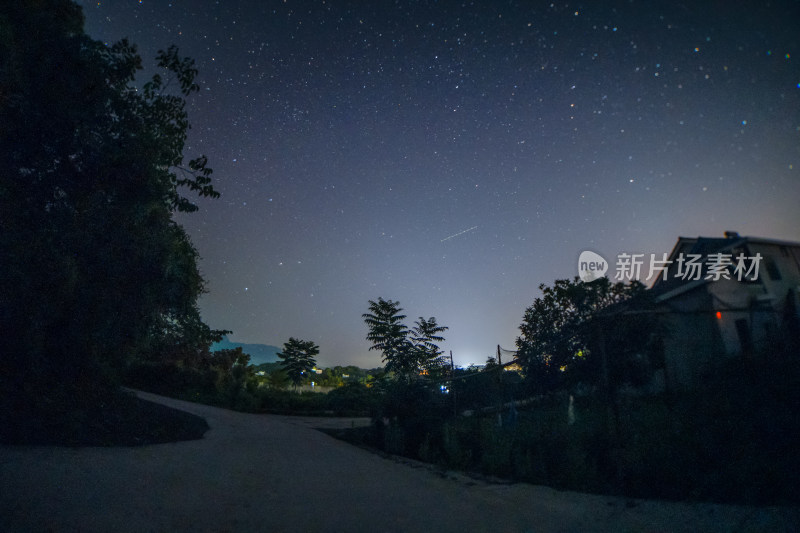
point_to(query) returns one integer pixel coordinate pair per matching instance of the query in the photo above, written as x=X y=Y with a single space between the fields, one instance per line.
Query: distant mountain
x=259 y=353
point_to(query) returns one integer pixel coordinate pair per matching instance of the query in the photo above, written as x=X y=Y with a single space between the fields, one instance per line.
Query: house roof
x=673 y=286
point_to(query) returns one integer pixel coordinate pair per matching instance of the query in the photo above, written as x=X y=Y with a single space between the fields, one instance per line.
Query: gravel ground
x=273 y=473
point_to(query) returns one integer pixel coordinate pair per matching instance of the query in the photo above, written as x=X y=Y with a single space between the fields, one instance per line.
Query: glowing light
x=719 y=315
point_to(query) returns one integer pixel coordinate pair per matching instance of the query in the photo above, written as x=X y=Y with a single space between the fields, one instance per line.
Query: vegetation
x=734 y=441
x=99 y=286
x=253 y=394
x=593 y=334
x=424 y=336
x=297 y=359
x=406 y=352
x=277 y=379
x=578 y=417
x=599 y=337
x=96 y=273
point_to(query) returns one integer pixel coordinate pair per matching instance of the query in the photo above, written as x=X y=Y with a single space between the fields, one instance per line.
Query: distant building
x=726 y=297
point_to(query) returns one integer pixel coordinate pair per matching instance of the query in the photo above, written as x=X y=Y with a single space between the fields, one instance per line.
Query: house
x=726 y=297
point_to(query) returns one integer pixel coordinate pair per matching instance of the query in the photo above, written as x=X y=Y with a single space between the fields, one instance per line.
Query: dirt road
x=269 y=473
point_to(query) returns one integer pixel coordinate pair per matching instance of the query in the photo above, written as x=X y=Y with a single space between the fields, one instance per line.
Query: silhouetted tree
x=406 y=352
x=94 y=269
x=388 y=334
x=297 y=358
x=595 y=333
x=424 y=336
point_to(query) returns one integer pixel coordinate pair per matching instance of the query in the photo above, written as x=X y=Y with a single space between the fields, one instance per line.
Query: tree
x=405 y=352
x=424 y=336
x=595 y=333
x=95 y=271
x=298 y=358
x=388 y=334
x=278 y=379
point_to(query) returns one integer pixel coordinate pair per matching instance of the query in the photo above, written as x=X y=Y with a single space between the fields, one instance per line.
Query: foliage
x=278 y=379
x=587 y=333
x=474 y=390
x=351 y=399
x=388 y=334
x=170 y=379
x=413 y=410
x=95 y=272
x=413 y=406
x=733 y=441
x=224 y=377
x=406 y=352
x=233 y=373
x=297 y=358
x=424 y=336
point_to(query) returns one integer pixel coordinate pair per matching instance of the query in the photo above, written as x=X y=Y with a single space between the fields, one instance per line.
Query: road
x=270 y=473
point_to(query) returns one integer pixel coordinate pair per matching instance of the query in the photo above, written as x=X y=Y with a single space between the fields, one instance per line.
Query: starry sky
x=456 y=155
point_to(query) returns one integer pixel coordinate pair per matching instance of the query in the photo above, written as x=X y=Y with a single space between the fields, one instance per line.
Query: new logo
x=591 y=266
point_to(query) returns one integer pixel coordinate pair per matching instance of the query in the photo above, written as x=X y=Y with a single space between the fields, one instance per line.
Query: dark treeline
x=95 y=275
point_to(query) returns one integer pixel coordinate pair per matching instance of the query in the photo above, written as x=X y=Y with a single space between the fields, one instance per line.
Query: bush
x=352 y=399
x=171 y=380
x=291 y=403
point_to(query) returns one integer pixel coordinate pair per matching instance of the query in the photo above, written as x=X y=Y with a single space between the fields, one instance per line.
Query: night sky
x=454 y=156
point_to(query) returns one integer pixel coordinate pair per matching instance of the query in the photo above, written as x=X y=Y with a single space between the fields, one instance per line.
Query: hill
x=259 y=353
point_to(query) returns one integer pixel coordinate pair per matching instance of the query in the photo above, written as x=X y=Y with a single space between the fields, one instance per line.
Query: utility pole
x=452 y=386
x=500 y=377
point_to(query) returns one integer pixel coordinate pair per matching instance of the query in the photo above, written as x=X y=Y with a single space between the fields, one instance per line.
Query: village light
x=719 y=315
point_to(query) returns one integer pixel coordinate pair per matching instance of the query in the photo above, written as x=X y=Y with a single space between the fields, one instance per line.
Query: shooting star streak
x=459 y=233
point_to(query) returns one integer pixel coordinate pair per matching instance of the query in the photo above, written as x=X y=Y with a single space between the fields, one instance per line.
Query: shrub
x=352 y=399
